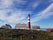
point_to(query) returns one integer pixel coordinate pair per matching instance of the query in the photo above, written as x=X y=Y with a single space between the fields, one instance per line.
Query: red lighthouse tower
x=29 y=25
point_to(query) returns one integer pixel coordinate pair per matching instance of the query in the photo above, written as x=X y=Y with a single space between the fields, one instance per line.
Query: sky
x=16 y=11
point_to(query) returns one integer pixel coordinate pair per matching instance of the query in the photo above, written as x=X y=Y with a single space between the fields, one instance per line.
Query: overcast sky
x=16 y=11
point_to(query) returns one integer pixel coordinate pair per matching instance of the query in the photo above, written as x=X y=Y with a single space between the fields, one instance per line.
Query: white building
x=24 y=26
x=21 y=26
x=35 y=27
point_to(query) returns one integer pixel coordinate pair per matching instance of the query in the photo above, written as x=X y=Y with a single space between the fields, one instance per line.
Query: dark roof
x=6 y=26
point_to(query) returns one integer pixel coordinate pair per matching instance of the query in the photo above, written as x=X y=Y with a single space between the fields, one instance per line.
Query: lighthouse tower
x=29 y=25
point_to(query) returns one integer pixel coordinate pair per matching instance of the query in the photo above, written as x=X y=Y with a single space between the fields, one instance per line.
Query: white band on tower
x=28 y=21
x=28 y=17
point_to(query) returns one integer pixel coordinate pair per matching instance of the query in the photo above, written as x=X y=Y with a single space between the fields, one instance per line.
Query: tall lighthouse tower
x=29 y=25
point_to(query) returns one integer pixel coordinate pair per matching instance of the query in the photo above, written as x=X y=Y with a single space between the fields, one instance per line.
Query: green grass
x=19 y=34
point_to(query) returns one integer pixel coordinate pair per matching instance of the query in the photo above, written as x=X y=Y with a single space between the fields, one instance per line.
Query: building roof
x=6 y=26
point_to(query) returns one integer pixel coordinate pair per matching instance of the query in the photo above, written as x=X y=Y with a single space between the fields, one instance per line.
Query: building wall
x=35 y=28
x=24 y=26
x=21 y=26
x=49 y=30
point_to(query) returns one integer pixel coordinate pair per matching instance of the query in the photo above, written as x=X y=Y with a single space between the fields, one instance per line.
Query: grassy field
x=20 y=34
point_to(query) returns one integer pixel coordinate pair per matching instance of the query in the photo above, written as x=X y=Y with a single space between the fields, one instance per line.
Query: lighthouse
x=29 y=25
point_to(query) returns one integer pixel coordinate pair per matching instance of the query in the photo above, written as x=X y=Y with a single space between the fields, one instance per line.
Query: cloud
x=44 y=14
x=2 y=13
x=15 y=16
x=12 y=16
x=34 y=5
x=21 y=1
x=11 y=11
x=5 y=4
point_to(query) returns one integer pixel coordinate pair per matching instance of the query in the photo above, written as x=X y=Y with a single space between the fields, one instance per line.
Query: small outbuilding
x=6 y=26
x=35 y=27
x=49 y=30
